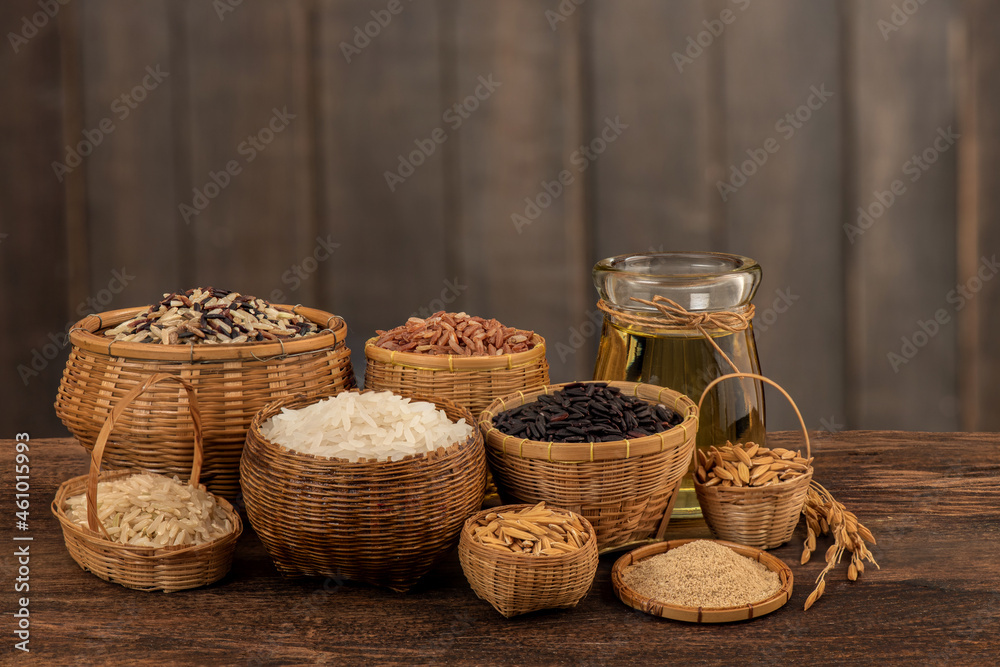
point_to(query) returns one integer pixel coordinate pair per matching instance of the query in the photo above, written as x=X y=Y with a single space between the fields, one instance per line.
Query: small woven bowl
x=386 y=523
x=167 y=569
x=757 y=516
x=521 y=583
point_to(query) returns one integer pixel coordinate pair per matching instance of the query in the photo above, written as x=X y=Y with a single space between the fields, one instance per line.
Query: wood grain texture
x=650 y=187
x=530 y=272
x=650 y=191
x=248 y=106
x=444 y=237
x=783 y=135
x=393 y=259
x=981 y=155
x=33 y=249
x=901 y=268
x=131 y=217
x=929 y=498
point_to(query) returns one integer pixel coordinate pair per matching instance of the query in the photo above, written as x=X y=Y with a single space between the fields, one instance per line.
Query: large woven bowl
x=233 y=382
x=164 y=569
x=521 y=583
x=626 y=489
x=383 y=523
x=471 y=382
x=763 y=517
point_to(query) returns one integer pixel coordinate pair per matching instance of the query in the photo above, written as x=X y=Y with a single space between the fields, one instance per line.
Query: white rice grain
x=374 y=426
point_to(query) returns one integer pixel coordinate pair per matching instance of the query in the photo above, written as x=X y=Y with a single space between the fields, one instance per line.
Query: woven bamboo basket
x=521 y=583
x=383 y=523
x=233 y=382
x=472 y=382
x=164 y=569
x=626 y=489
x=762 y=517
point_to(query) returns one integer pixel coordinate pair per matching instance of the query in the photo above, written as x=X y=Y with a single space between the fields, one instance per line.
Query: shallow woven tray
x=233 y=382
x=702 y=614
x=521 y=583
x=164 y=569
x=626 y=489
x=384 y=523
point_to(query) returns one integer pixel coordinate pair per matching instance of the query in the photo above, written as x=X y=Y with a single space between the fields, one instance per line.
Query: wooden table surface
x=932 y=500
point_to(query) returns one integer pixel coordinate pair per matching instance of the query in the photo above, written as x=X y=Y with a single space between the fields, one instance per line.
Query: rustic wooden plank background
x=311 y=218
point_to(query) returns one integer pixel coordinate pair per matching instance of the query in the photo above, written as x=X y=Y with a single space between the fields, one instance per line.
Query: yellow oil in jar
x=686 y=362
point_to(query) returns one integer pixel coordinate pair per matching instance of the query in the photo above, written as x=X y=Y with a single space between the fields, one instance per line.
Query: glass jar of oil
x=683 y=359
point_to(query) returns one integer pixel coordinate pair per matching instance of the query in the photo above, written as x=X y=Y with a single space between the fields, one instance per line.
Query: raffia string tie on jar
x=675 y=316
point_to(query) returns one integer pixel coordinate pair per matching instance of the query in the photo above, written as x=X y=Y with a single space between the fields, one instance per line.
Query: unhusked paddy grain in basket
x=702 y=574
x=379 y=426
x=153 y=511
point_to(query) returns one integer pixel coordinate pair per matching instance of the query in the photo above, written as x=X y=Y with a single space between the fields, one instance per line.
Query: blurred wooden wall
x=687 y=105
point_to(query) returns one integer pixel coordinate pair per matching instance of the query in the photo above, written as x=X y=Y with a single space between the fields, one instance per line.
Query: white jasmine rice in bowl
x=379 y=426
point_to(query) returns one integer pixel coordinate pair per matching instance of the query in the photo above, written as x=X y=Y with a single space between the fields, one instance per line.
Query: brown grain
x=749 y=464
x=702 y=574
x=824 y=514
x=455 y=333
x=538 y=531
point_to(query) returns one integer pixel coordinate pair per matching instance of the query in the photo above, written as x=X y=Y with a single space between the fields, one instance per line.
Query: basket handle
x=102 y=439
x=755 y=376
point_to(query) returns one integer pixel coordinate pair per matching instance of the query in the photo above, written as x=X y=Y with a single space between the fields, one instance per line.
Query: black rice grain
x=586 y=412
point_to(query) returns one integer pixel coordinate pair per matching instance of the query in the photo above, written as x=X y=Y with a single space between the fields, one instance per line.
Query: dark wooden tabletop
x=932 y=500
